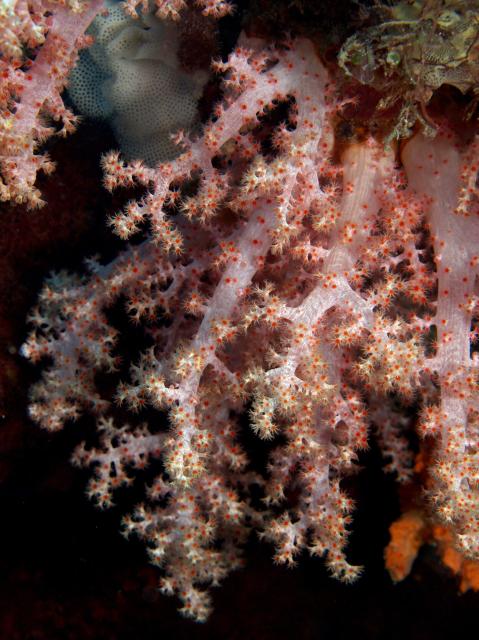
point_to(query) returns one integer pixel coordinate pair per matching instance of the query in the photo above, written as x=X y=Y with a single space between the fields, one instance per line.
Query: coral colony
x=318 y=288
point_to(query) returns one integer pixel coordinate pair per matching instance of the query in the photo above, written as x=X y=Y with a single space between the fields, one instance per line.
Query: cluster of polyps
x=31 y=86
x=283 y=280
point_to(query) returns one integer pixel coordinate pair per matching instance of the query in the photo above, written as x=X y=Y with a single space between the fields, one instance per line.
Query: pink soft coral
x=31 y=84
x=277 y=277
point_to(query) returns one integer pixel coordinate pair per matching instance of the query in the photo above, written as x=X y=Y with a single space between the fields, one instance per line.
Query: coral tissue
x=320 y=287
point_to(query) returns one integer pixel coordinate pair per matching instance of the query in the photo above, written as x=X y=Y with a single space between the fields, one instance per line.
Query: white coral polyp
x=131 y=77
